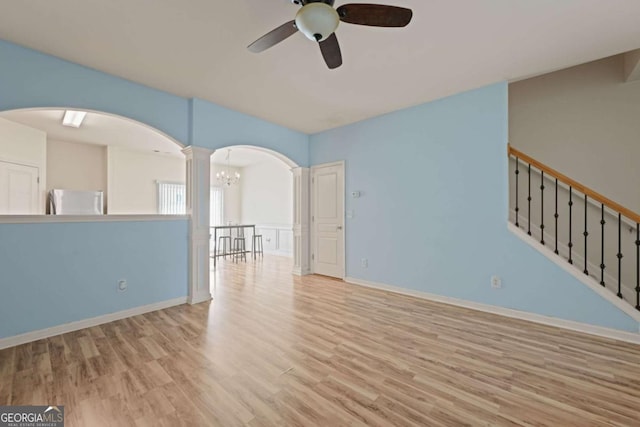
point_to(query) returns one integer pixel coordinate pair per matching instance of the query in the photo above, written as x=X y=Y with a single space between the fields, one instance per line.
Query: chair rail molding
x=198 y=189
x=301 y=216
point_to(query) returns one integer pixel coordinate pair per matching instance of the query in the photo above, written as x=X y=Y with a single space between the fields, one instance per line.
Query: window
x=172 y=198
x=172 y=201
x=217 y=206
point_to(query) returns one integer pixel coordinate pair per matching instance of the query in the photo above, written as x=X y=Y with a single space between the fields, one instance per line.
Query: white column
x=198 y=193
x=301 y=215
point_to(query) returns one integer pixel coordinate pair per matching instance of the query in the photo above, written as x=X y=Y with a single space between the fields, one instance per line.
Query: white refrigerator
x=72 y=202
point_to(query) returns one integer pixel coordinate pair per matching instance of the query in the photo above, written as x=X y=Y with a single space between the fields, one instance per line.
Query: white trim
x=576 y=273
x=279 y=231
x=330 y=164
x=200 y=297
x=302 y=272
x=578 y=260
x=283 y=158
x=20 y=163
x=507 y=312
x=301 y=184
x=87 y=323
x=40 y=219
x=41 y=181
x=198 y=179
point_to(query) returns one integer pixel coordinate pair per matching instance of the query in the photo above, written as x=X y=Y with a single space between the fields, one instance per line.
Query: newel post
x=198 y=193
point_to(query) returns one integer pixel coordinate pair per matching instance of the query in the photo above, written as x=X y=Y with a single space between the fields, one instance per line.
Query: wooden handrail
x=574 y=184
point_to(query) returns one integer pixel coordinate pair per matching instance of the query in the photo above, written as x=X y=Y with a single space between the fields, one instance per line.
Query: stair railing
x=577 y=193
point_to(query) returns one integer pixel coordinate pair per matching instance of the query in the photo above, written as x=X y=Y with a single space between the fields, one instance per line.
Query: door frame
x=42 y=204
x=312 y=263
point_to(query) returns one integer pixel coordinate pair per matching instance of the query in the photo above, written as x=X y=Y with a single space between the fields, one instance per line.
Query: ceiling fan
x=318 y=20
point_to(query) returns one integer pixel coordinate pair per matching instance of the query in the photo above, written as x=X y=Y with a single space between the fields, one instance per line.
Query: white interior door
x=18 y=189
x=327 y=186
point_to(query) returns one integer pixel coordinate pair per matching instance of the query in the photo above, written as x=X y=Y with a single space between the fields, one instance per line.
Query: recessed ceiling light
x=73 y=118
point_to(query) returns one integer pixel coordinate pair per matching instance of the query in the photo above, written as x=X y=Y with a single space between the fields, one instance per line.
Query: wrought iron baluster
x=542 y=207
x=602 y=223
x=555 y=216
x=570 y=245
x=637 y=266
x=529 y=204
x=619 y=255
x=517 y=175
x=586 y=234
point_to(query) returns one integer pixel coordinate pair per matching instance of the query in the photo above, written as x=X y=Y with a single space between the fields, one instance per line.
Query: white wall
x=74 y=166
x=232 y=195
x=133 y=176
x=24 y=145
x=267 y=193
x=267 y=201
x=584 y=122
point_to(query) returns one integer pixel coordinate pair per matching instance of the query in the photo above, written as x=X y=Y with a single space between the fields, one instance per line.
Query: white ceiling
x=106 y=130
x=98 y=129
x=197 y=48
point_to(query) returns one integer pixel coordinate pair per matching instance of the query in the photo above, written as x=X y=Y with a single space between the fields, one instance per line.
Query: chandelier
x=225 y=177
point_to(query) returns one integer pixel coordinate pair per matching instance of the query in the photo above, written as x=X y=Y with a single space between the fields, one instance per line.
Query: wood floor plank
x=272 y=349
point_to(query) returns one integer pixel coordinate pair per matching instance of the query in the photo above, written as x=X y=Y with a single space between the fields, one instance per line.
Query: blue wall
x=432 y=216
x=433 y=212
x=31 y=79
x=57 y=273
x=216 y=127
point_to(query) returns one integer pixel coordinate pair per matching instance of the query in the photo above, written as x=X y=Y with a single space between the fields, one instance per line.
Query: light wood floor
x=276 y=350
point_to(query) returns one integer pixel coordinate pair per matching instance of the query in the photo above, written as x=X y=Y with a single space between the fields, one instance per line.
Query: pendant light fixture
x=225 y=177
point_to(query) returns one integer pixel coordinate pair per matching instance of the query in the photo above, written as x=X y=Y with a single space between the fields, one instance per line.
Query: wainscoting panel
x=276 y=239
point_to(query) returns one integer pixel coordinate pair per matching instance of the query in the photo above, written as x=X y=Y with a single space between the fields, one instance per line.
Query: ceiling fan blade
x=331 y=51
x=375 y=15
x=274 y=37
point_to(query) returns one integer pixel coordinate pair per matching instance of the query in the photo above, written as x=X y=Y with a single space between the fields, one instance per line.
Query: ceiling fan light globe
x=317 y=21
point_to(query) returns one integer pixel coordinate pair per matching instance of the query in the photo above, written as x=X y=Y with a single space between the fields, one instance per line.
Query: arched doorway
x=264 y=192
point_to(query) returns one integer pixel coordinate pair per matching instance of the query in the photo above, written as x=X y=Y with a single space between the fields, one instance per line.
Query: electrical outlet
x=122 y=285
x=364 y=263
x=496 y=282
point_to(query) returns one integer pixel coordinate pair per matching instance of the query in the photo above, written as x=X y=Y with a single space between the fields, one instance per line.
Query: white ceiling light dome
x=317 y=21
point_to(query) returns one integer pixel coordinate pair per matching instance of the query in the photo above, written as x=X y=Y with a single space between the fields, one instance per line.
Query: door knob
x=339 y=227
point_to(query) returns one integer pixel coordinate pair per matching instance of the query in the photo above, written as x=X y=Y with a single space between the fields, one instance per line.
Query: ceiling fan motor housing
x=303 y=2
x=317 y=20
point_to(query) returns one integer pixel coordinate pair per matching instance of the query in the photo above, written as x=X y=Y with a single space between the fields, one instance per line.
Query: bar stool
x=222 y=242
x=239 y=246
x=257 y=244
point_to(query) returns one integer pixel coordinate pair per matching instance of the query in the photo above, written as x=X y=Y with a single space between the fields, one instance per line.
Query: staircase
x=597 y=236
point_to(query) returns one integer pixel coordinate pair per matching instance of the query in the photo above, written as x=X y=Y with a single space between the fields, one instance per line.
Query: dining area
x=235 y=242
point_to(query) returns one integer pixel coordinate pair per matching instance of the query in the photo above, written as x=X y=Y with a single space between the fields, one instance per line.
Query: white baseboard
x=507 y=312
x=578 y=260
x=198 y=298
x=576 y=273
x=301 y=272
x=87 y=323
x=287 y=254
